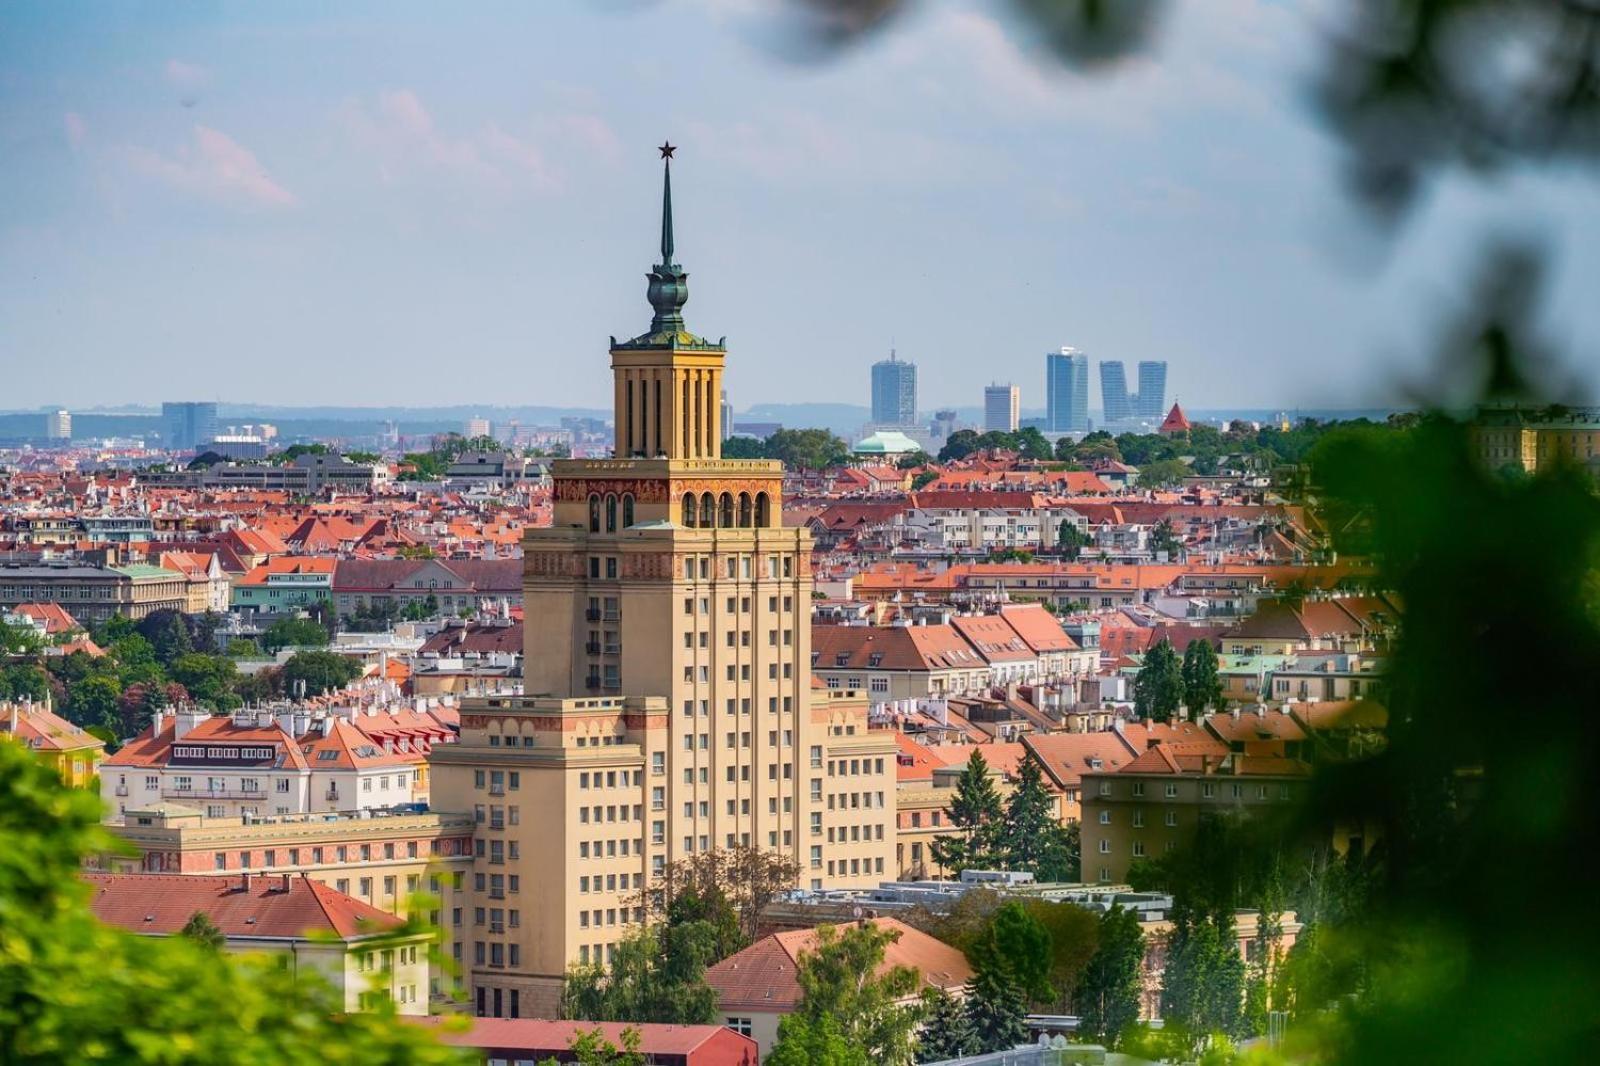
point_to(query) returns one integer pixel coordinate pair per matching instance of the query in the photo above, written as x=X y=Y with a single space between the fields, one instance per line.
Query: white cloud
x=215 y=166
x=187 y=76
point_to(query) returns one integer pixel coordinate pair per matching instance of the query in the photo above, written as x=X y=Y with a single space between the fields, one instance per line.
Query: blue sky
x=399 y=203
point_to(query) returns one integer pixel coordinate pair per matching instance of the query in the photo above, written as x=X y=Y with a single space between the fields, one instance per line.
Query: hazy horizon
x=377 y=204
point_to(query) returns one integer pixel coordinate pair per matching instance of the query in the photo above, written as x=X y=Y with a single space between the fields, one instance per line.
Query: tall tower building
x=894 y=392
x=1116 y=405
x=669 y=707
x=188 y=426
x=1152 y=400
x=58 y=424
x=1002 y=408
x=1066 y=386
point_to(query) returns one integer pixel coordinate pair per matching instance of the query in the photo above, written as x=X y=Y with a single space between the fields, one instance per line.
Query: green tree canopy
x=656 y=975
x=1108 y=996
x=842 y=980
x=294 y=633
x=975 y=812
x=1158 y=689
x=1202 y=687
x=321 y=671
x=1031 y=837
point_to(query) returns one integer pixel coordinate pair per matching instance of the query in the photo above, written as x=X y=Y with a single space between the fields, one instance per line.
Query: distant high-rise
x=188 y=426
x=1066 y=387
x=476 y=427
x=1118 y=406
x=1002 y=408
x=1151 y=402
x=727 y=416
x=894 y=392
x=58 y=424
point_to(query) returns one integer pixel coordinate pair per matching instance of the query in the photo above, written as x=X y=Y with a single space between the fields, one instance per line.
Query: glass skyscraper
x=188 y=426
x=1066 y=389
x=894 y=392
x=1114 y=399
x=1151 y=402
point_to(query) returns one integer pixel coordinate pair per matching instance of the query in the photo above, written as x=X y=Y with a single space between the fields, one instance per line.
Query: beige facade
x=669 y=707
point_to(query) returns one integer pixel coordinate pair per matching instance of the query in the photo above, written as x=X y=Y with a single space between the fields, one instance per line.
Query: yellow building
x=669 y=707
x=74 y=753
x=1537 y=438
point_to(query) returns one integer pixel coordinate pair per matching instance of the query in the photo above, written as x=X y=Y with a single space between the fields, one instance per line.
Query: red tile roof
x=542 y=1037
x=272 y=906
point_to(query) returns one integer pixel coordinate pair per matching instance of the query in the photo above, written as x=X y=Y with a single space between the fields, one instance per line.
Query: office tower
x=58 y=424
x=1002 y=408
x=1116 y=405
x=1152 y=399
x=669 y=707
x=475 y=427
x=1066 y=386
x=727 y=416
x=188 y=426
x=894 y=392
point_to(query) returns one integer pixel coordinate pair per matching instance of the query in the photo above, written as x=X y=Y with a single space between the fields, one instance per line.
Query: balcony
x=332 y=795
x=612 y=616
x=592 y=614
x=613 y=649
x=497 y=788
x=122 y=790
x=497 y=823
x=592 y=647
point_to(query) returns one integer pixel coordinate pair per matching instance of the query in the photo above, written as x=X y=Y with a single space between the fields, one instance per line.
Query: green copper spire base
x=668 y=288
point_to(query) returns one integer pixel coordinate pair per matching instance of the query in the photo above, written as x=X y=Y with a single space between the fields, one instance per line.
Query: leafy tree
x=321 y=671
x=996 y=1010
x=1070 y=540
x=708 y=905
x=75 y=991
x=807 y=449
x=294 y=633
x=744 y=448
x=1164 y=541
x=656 y=975
x=959 y=445
x=1202 y=688
x=1202 y=986
x=208 y=679
x=1016 y=943
x=1158 y=688
x=1030 y=837
x=1031 y=443
x=743 y=877
x=168 y=634
x=203 y=931
x=913 y=461
x=295 y=451
x=365 y=458
x=808 y=1040
x=19 y=640
x=923 y=480
x=946 y=1031
x=24 y=681
x=93 y=702
x=245 y=648
x=1074 y=934
x=1107 y=998
x=1162 y=473
x=976 y=812
x=842 y=979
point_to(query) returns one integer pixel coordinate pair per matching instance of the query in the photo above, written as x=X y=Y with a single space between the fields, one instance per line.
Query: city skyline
x=176 y=201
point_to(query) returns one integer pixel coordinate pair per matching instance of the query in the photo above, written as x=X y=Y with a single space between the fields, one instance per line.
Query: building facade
x=1151 y=401
x=894 y=392
x=1116 y=404
x=1002 y=408
x=94 y=593
x=1066 y=389
x=188 y=426
x=669 y=707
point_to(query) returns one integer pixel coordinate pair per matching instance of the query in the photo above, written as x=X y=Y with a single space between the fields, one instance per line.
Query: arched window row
x=706 y=511
x=608 y=505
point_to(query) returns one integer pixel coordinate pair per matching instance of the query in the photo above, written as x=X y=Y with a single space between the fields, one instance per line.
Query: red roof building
x=536 y=1039
x=1175 y=422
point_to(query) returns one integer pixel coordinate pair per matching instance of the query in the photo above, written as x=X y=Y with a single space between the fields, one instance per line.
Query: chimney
x=285 y=887
x=244 y=881
x=186 y=718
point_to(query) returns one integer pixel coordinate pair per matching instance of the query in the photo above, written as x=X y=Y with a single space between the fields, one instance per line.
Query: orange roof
x=43 y=730
x=271 y=906
x=1175 y=422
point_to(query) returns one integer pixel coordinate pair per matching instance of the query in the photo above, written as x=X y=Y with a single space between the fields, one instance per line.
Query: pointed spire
x=666 y=151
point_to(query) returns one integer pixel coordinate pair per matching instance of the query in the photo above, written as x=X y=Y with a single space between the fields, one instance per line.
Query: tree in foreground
x=946 y=1031
x=976 y=812
x=1158 y=688
x=656 y=975
x=815 y=1041
x=1017 y=944
x=843 y=984
x=1107 y=998
x=75 y=991
x=996 y=1009
x=590 y=1048
x=742 y=877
